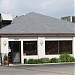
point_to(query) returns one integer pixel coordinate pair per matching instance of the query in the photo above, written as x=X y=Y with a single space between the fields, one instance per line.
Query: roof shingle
x=37 y=23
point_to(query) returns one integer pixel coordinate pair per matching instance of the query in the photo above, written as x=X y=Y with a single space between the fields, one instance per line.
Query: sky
x=53 y=8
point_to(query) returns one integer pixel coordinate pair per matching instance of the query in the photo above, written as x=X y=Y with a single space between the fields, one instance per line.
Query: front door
x=15 y=54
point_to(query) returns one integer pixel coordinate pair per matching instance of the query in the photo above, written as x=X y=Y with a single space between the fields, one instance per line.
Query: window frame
x=58 y=47
x=26 y=52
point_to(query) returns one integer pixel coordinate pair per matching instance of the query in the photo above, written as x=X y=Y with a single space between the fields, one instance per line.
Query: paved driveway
x=64 y=69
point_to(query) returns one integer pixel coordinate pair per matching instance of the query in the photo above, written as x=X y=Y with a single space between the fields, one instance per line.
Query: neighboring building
x=5 y=19
x=37 y=36
x=69 y=18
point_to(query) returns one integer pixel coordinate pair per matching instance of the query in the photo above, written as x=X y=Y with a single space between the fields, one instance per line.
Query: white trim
x=58 y=38
x=31 y=57
x=22 y=58
x=22 y=39
x=73 y=49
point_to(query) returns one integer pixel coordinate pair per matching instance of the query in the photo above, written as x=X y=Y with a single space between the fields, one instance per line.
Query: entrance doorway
x=15 y=52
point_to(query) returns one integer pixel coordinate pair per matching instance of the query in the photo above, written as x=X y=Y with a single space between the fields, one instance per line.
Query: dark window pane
x=65 y=47
x=30 y=47
x=73 y=19
x=51 y=47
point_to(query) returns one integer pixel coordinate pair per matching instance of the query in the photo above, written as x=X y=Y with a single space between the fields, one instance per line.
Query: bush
x=36 y=61
x=54 y=60
x=74 y=59
x=71 y=59
x=32 y=61
x=5 y=57
x=43 y=60
x=66 y=58
x=63 y=58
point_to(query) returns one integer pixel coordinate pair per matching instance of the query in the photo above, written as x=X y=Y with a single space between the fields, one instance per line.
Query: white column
x=22 y=59
x=41 y=47
x=4 y=47
x=73 y=50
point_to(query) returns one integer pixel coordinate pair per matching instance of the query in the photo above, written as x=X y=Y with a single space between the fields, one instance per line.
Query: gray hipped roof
x=37 y=23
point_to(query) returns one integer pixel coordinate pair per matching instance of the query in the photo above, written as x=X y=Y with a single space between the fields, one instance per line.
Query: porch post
x=4 y=47
x=22 y=59
x=73 y=50
x=41 y=47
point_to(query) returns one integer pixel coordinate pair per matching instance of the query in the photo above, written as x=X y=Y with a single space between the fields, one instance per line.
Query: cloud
x=58 y=7
x=52 y=8
x=7 y=5
x=46 y=4
x=56 y=4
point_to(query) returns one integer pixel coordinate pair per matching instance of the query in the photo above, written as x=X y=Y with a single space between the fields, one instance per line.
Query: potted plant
x=5 y=60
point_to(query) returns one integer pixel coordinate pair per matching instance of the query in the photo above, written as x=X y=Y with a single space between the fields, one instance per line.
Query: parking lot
x=49 y=69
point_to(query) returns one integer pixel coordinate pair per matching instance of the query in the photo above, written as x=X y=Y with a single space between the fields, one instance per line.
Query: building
x=5 y=19
x=69 y=18
x=37 y=36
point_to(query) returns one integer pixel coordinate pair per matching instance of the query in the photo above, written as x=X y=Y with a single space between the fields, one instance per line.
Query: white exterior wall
x=4 y=47
x=24 y=39
x=73 y=47
x=0 y=45
x=40 y=46
x=58 y=38
x=22 y=58
x=0 y=49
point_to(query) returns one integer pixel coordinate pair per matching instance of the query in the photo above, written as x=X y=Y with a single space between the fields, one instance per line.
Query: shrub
x=66 y=58
x=32 y=61
x=36 y=61
x=54 y=60
x=5 y=57
x=74 y=59
x=44 y=60
x=63 y=58
x=71 y=59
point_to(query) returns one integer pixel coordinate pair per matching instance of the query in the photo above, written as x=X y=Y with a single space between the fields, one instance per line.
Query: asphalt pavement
x=48 y=69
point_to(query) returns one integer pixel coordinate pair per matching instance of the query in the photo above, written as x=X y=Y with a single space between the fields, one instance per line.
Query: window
x=58 y=47
x=30 y=47
x=73 y=19
x=65 y=47
x=51 y=47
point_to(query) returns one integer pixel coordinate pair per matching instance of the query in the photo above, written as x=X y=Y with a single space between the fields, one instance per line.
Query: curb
x=41 y=64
